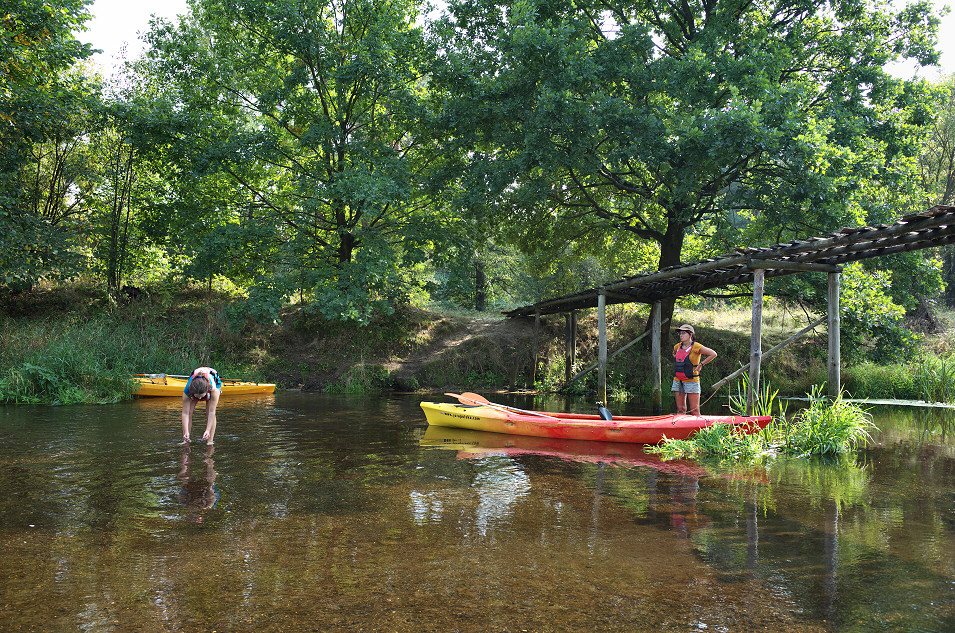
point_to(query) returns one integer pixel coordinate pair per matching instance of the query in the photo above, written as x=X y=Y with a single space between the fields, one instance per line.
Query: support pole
x=573 y=339
x=755 y=341
x=537 y=331
x=655 y=374
x=602 y=350
x=835 y=375
x=569 y=336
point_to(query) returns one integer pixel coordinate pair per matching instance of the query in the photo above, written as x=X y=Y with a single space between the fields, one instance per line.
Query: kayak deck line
x=166 y=385
x=631 y=429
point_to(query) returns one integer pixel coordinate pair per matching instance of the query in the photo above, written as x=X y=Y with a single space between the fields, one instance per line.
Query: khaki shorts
x=685 y=387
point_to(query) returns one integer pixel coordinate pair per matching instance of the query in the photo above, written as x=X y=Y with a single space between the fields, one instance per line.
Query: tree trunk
x=347 y=248
x=480 y=285
x=670 y=248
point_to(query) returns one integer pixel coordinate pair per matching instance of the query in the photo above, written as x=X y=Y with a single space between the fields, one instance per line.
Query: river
x=340 y=513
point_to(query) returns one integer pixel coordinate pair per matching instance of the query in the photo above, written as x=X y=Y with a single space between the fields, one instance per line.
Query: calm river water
x=321 y=513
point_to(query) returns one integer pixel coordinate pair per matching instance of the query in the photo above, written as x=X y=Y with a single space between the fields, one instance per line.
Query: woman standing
x=690 y=357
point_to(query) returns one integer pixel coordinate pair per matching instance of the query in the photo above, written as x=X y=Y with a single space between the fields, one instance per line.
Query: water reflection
x=198 y=492
x=346 y=513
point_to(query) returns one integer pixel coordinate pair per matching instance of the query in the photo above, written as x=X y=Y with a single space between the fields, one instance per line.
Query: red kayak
x=477 y=414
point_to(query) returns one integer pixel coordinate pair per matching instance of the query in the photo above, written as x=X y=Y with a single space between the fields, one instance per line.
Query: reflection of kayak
x=473 y=444
x=576 y=426
x=165 y=385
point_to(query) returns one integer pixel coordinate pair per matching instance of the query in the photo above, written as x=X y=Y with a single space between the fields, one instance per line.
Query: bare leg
x=680 y=402
x=693 y=400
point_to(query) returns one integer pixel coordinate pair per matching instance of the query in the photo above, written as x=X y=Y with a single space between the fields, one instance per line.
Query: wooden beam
x=602 y=347
x=926 y=230
x=755 y=341
x=808 y=267
x=772 y=351
x=834 y=360
x=656 y=328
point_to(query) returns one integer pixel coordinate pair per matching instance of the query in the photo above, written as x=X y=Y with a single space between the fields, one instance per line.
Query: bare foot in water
x=205 y=436
x=185 y=440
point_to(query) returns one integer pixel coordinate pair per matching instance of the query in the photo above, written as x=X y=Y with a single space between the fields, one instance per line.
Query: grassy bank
x=78 y=345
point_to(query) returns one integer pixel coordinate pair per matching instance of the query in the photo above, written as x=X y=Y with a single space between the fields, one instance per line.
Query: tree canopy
x=352 y=154
x=660 y=119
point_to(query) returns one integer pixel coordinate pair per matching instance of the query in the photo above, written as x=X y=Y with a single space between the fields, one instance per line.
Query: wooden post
x=602 y=348
x=537 y=331
x=573 y=339
x=568 y=346
x=755 y=341
x=655 y=374
x=834 y=363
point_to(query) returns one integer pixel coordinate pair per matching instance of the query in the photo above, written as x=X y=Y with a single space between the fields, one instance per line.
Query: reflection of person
x=683 y=514
x=204 y=384
x=199 y=493
x=690 y=357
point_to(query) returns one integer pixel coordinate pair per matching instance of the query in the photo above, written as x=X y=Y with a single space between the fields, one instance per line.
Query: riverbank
x=79 y=345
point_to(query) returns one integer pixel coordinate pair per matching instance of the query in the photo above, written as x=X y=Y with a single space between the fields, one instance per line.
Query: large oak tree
x=655 y=118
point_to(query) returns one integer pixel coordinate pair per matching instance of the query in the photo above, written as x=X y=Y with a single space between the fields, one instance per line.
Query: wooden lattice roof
x=935 y=227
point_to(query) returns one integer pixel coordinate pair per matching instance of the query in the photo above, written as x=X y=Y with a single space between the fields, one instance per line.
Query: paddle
x=472 y=398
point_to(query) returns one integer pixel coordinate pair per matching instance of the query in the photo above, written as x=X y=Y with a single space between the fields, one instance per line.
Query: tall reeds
x=935 y=379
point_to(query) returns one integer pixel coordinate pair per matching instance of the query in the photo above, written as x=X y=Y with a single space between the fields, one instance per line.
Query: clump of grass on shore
x=823 y=429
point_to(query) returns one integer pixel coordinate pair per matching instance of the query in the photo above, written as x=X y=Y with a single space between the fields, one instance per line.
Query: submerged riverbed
x=325 y=513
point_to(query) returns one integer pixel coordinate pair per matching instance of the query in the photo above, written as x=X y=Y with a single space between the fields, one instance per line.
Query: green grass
x=825 y=428
x=72 y=359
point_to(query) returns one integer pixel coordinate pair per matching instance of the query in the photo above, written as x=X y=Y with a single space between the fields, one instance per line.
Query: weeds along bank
x=76 y=345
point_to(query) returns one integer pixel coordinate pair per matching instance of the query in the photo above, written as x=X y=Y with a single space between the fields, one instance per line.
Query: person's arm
x=210 y=433
x=706 y=355
x=188 y=406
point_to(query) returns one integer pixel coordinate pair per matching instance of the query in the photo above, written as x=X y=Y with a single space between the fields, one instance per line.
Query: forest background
x=315 y=192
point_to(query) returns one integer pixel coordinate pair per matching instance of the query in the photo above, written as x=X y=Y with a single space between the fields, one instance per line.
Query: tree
x=314 y=110
x=937 y=160
x=39 y=102
x=658 y=119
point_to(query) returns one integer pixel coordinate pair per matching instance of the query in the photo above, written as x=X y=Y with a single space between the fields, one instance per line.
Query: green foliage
x=871 y=325
x=935 y=379
x=824 y=429
x=869 y=380
x=668 y=121
x=362 y=378
x=765 y=401
x=937 y=160
x=40 y=106
x=311 y=128
x=44 y=363
x=723 y=441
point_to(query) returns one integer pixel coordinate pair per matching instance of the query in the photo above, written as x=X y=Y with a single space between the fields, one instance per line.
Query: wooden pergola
x=935 y=227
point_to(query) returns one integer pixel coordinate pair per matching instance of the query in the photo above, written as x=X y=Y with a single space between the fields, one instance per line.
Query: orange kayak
x=578 y=426
x=165 y=385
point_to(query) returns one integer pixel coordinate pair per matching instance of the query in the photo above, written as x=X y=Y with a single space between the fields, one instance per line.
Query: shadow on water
x=341 y=513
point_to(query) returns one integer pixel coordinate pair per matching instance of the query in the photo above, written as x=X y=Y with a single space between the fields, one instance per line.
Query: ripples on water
x=342 y=514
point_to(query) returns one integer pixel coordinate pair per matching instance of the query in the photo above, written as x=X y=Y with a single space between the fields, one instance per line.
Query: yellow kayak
x=166 y=385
